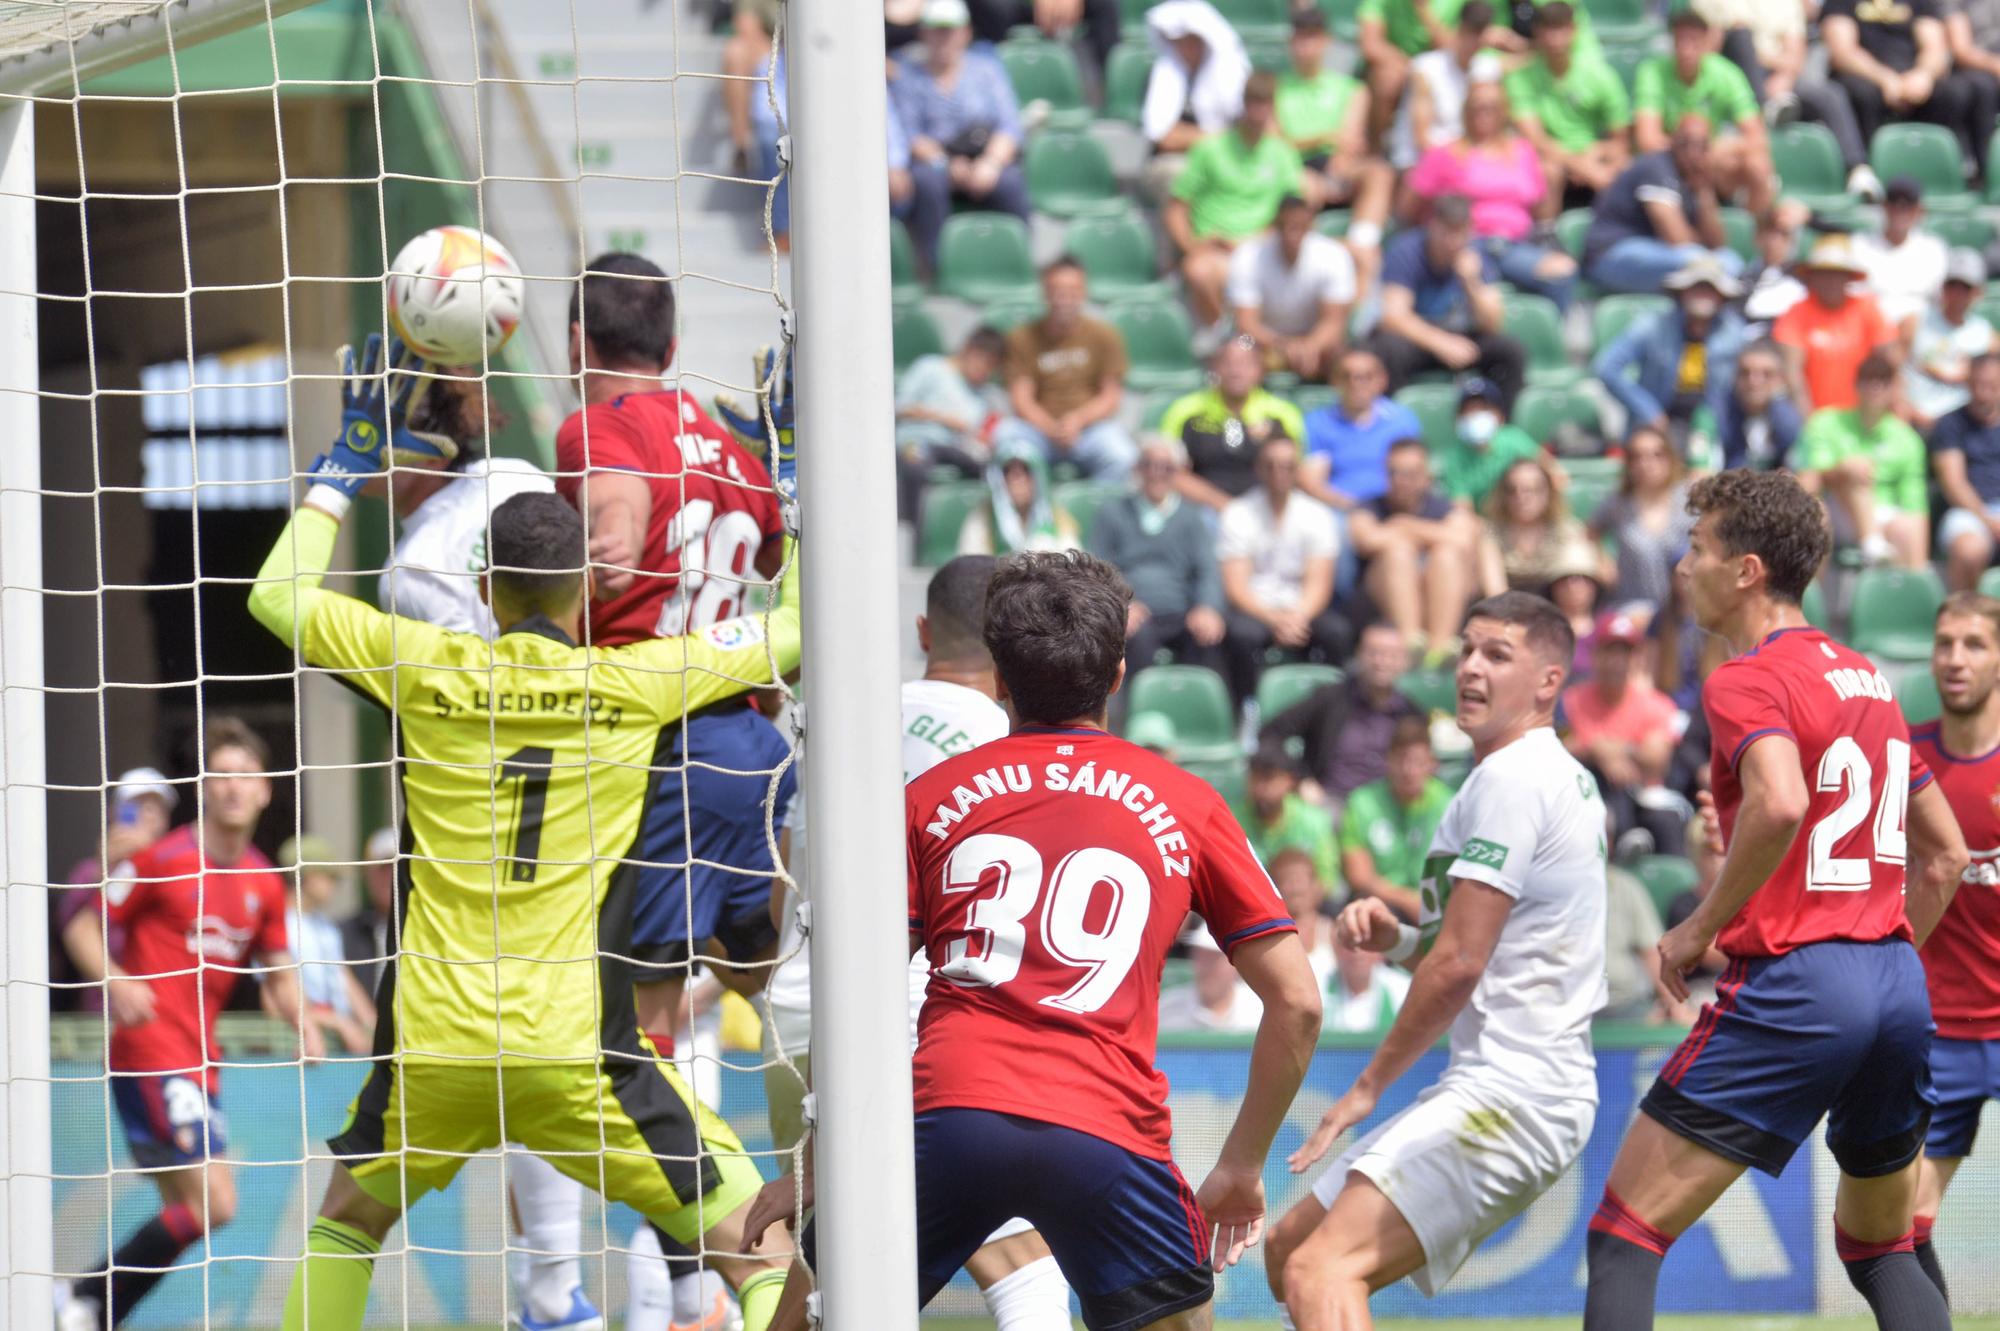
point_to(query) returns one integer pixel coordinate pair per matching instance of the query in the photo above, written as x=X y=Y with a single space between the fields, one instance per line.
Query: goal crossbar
x=47 y=46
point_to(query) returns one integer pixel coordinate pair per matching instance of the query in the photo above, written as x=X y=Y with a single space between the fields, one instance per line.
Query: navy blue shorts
x=170 y=1121
x=1965 y=1074
x=1833 y=1030
x=707 y=862
x=1124 y=1228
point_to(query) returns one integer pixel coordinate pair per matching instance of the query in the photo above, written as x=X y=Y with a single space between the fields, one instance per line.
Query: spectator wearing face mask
x=1484 y=445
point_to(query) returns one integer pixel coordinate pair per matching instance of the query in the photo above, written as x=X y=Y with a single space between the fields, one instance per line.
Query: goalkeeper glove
x=374 y=433
x=767 y=429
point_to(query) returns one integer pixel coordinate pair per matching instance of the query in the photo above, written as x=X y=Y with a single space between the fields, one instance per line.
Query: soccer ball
x=455 y=295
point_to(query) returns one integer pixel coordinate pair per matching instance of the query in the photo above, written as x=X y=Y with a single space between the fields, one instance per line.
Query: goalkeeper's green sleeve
x=287 y=585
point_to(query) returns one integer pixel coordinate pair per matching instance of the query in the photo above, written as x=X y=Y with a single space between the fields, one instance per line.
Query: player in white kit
x=1512 y=945
x=951 y=709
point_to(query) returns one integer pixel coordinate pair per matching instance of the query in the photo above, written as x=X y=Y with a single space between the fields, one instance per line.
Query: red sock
x=663 y=1041
x=1852 y=1249
x=1615 y=1218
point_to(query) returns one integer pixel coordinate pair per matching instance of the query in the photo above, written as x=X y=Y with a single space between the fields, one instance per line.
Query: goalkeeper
x=508 y=1009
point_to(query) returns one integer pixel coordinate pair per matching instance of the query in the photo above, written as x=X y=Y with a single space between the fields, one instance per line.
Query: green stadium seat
x=1125 y=73
x=1082 y=499
x=1119 y=256
x=1047 y=71
x=1196 y=700
x=1007 y=315
x=1280 y=686
x=1893 y=612
x=984 y=257
x=1625 y=57
x=1257 y=19
x=1665 y=877
x=1153 y=405
x=1536 y=323
x=1334 y=222
x=1309 y=398
x=1809 y=165
x=1157 y=336
x=1343 y=15
x=1929 y=154
x=1740 y=228
x=904 y=283
x=1612 y=315
x=1989 y=582
x=1990 y=306
x=1591 y=482
x=1570 y=228
x=945 y=508
x=1436 y=409
x=1993 y=172
x=1069 y=174
x=1432 y=690
x=913 y=334
x=1813 y=605
x=1917 y=693
x=1540 y=410
x=1268 y=51
x=1968 y=229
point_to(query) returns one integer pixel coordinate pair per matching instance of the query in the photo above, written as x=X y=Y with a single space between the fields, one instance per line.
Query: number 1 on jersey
x=989 y=953
x=530 y=767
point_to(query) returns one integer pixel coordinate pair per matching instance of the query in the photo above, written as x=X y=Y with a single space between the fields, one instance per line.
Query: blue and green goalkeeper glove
x=376 y=400
x=770 y=435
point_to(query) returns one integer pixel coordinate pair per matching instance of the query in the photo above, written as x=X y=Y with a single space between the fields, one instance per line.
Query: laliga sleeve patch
x=732 y=634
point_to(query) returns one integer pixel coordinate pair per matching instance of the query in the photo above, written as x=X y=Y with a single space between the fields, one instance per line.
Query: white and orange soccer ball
x=455 y=295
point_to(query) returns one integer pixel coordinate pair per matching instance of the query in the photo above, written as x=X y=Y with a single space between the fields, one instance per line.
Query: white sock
x=1034 y=1298
x=648 y=1305
x=694 y=1294
x=551 y=1206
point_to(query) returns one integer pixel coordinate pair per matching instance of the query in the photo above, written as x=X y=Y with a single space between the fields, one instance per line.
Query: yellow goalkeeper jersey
x=525 y=766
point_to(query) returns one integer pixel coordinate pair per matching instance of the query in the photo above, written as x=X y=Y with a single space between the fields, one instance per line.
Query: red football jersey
x=190 y=929
x=1843 y=877
x=1962 y=955
x=713 y=511
x=1049 y=873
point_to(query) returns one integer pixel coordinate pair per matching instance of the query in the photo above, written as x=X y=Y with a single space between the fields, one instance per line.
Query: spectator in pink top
x=1499 y=172
x=1620 y=726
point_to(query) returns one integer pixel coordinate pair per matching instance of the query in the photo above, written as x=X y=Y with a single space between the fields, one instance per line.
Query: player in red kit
x=1962 y=955
x=197 y=906
x=1822 y=1011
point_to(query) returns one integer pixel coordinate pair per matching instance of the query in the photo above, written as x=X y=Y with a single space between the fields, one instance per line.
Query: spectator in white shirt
x=1292 y=289
x=1277 y=551
x=1433 y=110
x=1949 y=334
x=1365 y=992
x=1218 y=1000
x=1905 y=265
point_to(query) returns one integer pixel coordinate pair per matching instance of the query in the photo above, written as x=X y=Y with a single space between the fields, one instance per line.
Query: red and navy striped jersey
x=1962 y=956
x=1049 y=872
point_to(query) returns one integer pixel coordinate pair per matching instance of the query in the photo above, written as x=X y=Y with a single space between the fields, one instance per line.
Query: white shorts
x=1461 y=1162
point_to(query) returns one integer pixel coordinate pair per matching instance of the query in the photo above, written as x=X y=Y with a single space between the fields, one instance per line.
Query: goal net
x=203 y=202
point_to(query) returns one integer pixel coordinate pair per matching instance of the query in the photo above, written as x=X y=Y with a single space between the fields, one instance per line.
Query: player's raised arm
x=754 y=651
x=1937 y=857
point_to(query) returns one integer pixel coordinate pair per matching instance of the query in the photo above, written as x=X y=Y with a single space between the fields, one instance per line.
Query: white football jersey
x=433 y=572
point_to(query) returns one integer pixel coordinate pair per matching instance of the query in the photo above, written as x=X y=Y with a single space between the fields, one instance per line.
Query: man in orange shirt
x=1828 y=334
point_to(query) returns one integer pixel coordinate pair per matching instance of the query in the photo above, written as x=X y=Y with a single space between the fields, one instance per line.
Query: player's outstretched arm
x=1232 y=1196
x=1774 y=805
x=1474 y=915
x=732 y=657
x=1937 y=857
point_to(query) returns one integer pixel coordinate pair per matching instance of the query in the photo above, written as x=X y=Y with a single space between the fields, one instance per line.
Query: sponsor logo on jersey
x=1984 y=870
x=1481 y=851
x=215 y=937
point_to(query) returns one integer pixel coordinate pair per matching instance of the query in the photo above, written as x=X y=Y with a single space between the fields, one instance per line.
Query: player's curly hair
x=1055 y=626
x=1767 y=514
x=535 y=554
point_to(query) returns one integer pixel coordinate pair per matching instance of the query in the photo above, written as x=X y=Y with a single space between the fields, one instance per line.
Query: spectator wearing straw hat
x=1828 y=334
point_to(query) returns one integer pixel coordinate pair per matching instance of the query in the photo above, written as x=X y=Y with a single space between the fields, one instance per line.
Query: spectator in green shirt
x=1324 y=114
x=1483 y=446
x=1573 y=108
x=1872 y=469
x=1276 y=817
x=1229 y=191
x=1696 y=80
x=1386 y=829
x=1390 y=33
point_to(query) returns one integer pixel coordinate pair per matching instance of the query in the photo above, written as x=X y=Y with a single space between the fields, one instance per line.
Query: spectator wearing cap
x=1828 y=334
x=1871 y=468
x=368 y=937
x=1276 y=817
x=334 y=994
x=1645 y=521
x=1216 y=1000
x=1658 y=216
x=1387 y=825
x=1904 y=264
x=1221 y=427
x=1441 y=305
x=1324 y=114
x=958 y=107
x=1195 y=88
x=1693 y=79
x=1166 y=551
x=1573 y=108
x=1343 y=729
x=947 y=408
x=1497 y=172
x=1965 y=450
x=1894 y=63
x=1766 y=39
x=1433 y=109
x=1419 y=552
x=1949 y=334
x=1758 y=422
x=1620 y=726
x=1483 y=445
x=1228 y=192
x=1066 y=381
x=1278 y=550
x=1665 y=367
x=1347 y=440
x=1291 y=289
